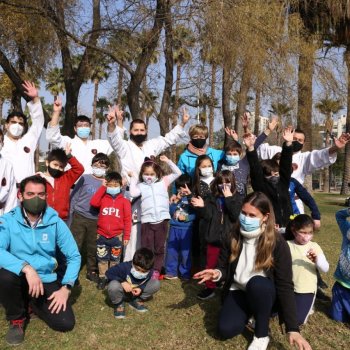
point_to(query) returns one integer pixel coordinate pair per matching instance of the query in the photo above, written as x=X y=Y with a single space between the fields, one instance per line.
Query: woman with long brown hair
x=257 y=269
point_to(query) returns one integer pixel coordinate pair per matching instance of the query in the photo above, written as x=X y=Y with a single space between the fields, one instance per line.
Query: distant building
x=263 y=122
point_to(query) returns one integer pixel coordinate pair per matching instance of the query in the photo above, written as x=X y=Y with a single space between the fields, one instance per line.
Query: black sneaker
x=92 y=277
x=206 y=293
x=102 y=282
x=321 y=295
x=15 y=334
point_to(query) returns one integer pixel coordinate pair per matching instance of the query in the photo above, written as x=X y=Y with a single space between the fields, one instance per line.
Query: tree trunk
x=71 y=110
x=100 y=130
x=257 y=110
x=326 y=187
x=212 y=103
x=305 y=74
x=226 y=93
x=120 y=85
x=94 y=109
x=242 y=99
x=175 y=113
x=163 y=117
x=1 y=107
x=346 y=174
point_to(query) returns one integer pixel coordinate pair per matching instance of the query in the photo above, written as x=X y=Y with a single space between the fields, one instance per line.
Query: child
x=60 y=182
x=84 y=216
x=217 y=214
x=8 y=189
x=113 y=224
x=255 y=264
x=273 y=179
x=153 y=188
x=178 y=256
x=203 y=176
x=307 y=257
x=340 y=309
x=132 y=281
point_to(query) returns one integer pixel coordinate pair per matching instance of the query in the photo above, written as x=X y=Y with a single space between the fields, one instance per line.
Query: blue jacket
x=121 y=273
x=20 y=245
x=342 y=272
x=182 y=206
x=187 y=160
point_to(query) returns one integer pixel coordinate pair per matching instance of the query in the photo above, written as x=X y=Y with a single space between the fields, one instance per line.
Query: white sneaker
x=259 y=343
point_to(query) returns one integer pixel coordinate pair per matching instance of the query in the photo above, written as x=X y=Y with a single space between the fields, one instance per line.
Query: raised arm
x=97 y=197
x=175 y=171
x=134 y=189
x=343 y=223
x=76 y=169
x=285 y=166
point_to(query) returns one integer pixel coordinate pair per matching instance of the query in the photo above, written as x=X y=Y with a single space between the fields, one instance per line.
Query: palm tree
x=102 y=105
x=282 y=110
x=101 y=72
x=328 y=107
x=55 y=82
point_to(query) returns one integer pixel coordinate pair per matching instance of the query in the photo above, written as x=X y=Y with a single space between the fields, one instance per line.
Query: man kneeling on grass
x=132 y=281
x=29 y=237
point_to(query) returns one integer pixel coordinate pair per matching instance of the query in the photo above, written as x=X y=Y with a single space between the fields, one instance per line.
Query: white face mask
x=98 y=172
x=206 y=172
x=149 y=179
x=16 y=129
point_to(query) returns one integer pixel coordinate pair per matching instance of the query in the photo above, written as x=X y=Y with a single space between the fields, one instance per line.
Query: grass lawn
x=177 y=320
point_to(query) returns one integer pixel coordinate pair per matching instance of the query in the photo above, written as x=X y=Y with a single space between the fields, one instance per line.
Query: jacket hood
x=50 y=216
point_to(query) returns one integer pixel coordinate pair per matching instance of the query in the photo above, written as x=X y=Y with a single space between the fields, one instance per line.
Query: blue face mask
x=248 y=224
x=232 y=160
x=83 y=132
x=113 y=191
x=137 y=274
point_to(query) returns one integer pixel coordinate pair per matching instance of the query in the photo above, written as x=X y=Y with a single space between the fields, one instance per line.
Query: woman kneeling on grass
x=257 y=269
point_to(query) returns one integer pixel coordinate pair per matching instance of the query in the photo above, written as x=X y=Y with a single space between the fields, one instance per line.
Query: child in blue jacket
x=132 y=281
x=340 y=309
x=178 y=255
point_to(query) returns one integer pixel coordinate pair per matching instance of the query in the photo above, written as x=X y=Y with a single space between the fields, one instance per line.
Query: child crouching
x=131 y=281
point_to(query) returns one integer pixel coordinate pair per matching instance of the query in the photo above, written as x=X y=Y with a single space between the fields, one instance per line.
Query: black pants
x=257 y=300
x=15 y=299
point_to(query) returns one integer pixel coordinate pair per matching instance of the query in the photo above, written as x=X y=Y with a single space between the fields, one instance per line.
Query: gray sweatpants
x=117 y=294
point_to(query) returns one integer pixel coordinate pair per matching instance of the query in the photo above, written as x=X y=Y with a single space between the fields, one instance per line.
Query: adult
x=257 y=269
x=82 y=147
x=132 y=153
x=8 y=190
x=29 y=237
x=20 y=142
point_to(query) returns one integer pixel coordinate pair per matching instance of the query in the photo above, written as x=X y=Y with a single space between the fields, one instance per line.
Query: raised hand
x=30 y=89
x=68 y=148
x=342 y=141
x=119 y=114
x=232 y=133
x=185 y=117
x=245 y=118
x=273 y=123
x=111 y=119
x=57 y=105
x=164 y=158
x=288 y=135
x=185 y=190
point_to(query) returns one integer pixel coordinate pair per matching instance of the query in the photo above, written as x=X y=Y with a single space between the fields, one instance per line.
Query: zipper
x=154 y=201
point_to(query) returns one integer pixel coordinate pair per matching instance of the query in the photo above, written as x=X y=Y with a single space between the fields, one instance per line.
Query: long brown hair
x=150 y=162
x=268 y=237
x=196 y=178
x=223 y=177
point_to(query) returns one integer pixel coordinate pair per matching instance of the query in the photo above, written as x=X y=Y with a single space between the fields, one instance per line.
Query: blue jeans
x=178 y=255
x=340 y=309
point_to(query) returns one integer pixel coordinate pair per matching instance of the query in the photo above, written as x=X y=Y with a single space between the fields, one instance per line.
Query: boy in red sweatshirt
x=60 y=182
x=113 y=224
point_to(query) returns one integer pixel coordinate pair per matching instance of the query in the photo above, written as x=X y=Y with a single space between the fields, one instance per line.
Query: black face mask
x=273 y=179
x=138 y=139
x=34 y=205
x=198 y=143
x=55 y=172
x=297 y=146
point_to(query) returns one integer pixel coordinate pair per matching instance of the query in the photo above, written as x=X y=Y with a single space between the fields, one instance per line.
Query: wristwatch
x=68 y=286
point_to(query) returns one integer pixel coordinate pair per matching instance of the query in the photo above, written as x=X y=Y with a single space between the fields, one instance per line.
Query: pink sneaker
x=155 y=275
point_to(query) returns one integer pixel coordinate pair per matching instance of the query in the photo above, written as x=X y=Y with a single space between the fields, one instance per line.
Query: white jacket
x=20 y=153
x=8 y=189
x=84 y=152
x=132 y=156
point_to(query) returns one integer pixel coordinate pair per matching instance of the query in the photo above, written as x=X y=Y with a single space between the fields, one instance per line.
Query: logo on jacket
x=3 y=181
x=94 y=151
x=26 y=149
x=44 y=238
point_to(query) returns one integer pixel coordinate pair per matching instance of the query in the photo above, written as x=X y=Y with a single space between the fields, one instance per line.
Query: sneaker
x=320 y=295
x=102 y=282
x=170 y=277
x=138 y=305
x=119 y=310
x=206 y=293
x=92 y=277
x=251 y=324
x=259 y=343
x=15 y=334
x=155 y=275
x=31 y=314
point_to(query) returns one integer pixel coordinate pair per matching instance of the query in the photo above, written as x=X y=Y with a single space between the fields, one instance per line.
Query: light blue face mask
x=232 y=160
x=137 y=274
x=83 y=132
x=113 y=191
x=248 y=224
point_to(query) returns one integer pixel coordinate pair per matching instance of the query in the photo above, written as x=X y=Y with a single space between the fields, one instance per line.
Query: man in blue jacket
x=29 y=237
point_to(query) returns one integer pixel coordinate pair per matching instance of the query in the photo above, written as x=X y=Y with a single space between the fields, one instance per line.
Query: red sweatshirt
x=58 y=196
x=114 y=217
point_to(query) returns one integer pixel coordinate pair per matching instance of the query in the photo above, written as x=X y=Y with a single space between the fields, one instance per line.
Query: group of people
x=258 y=246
